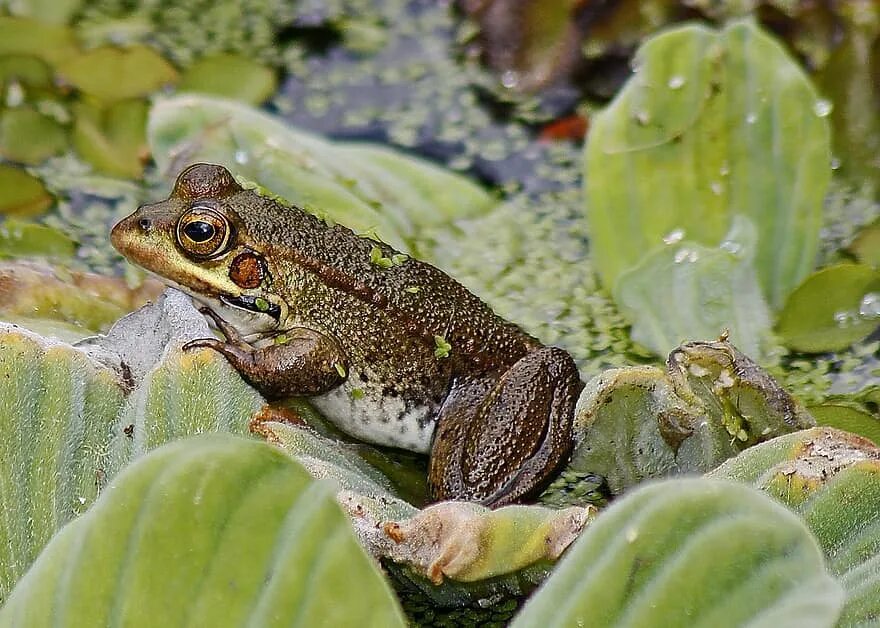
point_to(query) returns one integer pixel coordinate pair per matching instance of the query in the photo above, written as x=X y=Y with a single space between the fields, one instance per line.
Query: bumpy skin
x=361 y=338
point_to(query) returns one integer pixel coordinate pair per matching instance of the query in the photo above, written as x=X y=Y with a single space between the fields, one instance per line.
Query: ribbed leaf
x=832 y=479
x=695 y=553
x=213 y=531
x=361 y=186
x=56 y=411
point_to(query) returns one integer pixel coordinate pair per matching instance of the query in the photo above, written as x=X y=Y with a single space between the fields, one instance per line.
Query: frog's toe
x=502 y=440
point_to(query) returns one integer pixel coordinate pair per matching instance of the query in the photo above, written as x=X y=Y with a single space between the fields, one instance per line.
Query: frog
x=390 y=349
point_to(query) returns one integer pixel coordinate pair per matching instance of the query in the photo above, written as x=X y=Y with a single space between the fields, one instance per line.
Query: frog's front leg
x=306 y=363
x=501 y=439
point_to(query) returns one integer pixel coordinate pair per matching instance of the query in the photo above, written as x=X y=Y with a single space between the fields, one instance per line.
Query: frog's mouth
x=257 y=305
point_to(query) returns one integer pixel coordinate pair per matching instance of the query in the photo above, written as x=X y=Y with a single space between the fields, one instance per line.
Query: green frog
x=390 y=349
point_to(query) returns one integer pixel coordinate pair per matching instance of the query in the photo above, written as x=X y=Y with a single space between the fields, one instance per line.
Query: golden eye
x=203 y=232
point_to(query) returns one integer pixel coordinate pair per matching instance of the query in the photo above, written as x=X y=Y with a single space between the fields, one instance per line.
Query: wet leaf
x=230 y=76
x=848 y=417
x=849 y=79
x=29 y=137
x=24 y=36
x=832 y=309
x=713 y=124
x=112 y=139
x=29 y=239
x=113 y=74
x=21 y=194
x=692 y=552
x=239 y=532
x=687 y=291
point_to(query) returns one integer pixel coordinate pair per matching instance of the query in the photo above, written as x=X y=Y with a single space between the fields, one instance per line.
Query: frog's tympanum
x=390 y=349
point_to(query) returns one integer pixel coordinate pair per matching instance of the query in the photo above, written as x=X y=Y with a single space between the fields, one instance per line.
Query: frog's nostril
x=145 y=224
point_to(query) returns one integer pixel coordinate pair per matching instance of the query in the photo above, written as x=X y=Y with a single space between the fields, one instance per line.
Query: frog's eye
x=202 y=232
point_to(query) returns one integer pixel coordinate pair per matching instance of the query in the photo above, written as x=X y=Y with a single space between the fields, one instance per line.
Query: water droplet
x=835 y=163
x=643 y=117
x=725 y=169
x=845 y=318
x=751 y=118
x=717 y=188
x=14 y=94
x=82 y=500
x=510 y=78
x=822 y=107
x=676 y=82
x=632 y=534
x=241 y=157
x=674 y=236
x=686 y=255
x=732 y=246
x=870 y=306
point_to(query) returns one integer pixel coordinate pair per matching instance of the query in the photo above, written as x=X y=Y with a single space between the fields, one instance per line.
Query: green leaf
x=113 y=74
x=848 y=417
x=713 y=124
x=832 y=480
x=57 y=410
x=21 y=194
x=832 y=309
x=366 y=188
x=28 y=239
x=50 y=300
x=211 y=531
x=29 y=70
x=112 y=139
x=187 y=393
x=30 y=137
x=689 y=291
x=866 y=245
x=230 y=76
x=849 y=79
x=689 y=553
x=49 y=42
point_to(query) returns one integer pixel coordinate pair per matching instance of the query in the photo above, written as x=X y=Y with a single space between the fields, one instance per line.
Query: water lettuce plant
x=704 y=182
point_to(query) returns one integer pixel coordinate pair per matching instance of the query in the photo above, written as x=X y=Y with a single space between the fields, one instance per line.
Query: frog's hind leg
x=502 y=439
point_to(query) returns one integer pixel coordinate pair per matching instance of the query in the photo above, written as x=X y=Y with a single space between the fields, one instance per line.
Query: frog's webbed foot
x=301 y=362
x=500 y=440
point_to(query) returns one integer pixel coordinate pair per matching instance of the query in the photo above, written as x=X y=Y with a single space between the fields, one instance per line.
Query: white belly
x=361 y=410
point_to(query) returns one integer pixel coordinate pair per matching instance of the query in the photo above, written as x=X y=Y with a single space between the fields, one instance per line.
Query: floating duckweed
x=412 y=289
x=340 y=369
x=378 y=259
x=281 y=339
x=357 y=393
x=399 y=258
x=261 y=304
x=442 y=348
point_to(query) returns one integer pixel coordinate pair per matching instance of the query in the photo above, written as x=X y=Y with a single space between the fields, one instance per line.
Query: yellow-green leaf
x=29 y=137
x=111 y=74
x=21 y=194
x=231 y=76
x=832 y=309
